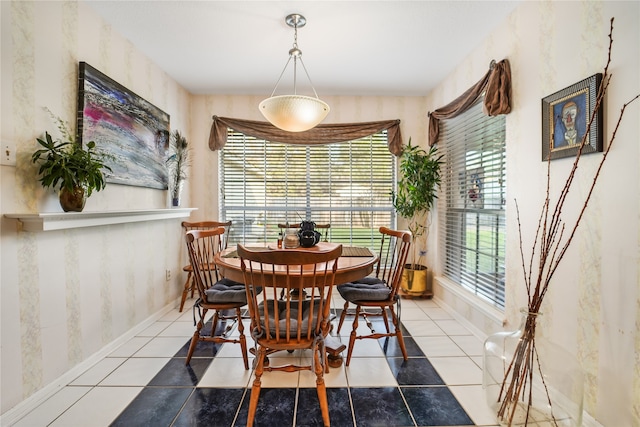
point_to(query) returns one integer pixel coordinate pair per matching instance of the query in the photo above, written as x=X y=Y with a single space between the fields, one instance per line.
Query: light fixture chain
x=294 y=113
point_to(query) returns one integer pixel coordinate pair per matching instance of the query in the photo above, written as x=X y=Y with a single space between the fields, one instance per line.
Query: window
x=472 y=208
x=347 y=185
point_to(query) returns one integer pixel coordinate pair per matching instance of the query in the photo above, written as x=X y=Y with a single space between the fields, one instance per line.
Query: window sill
x=46 y=221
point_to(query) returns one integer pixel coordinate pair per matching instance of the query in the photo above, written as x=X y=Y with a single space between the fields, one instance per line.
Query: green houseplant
x=66 y=165
x=413 y=200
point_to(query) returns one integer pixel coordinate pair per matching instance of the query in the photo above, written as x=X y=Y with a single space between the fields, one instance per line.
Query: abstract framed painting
x=565 y=120
x=132 y=133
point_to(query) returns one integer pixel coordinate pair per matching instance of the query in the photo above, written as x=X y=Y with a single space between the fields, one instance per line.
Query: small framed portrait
x=565 y=120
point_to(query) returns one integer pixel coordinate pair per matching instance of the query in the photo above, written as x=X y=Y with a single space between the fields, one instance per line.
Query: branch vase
x=529 y=381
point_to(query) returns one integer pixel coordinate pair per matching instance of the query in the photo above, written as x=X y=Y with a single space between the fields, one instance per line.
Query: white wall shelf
x=46 y=221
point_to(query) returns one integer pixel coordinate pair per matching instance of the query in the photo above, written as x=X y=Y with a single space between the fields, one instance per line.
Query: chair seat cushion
x=357 y=291
x=369 y=281
x=281 y=308
x=226 y=291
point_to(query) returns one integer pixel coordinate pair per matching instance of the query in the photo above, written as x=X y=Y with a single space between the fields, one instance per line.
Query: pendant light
x=294 y=113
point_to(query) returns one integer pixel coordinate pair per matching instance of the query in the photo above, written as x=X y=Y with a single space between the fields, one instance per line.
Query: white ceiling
x=394 y=48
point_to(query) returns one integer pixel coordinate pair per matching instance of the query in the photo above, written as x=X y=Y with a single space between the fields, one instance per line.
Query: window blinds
x=472 y=207
x=347 y=185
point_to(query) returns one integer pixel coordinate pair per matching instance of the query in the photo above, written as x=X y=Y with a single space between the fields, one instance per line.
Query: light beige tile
x=226 y=372
x=370 y=372
x=452 y=327
x=414 y=313
x=457 y=370
x=364 y=348
x=135 y=372
x=336 y=377
x=51 y=408
x=438 y=346
x=470 y=344
x=422 y=328
x=174 y=315
x=161 y=347
x=473 y=401
x=235 y=351
x=409 y=303
x=99 y=407
x=154 y=329
x=99 y=371
x=178 y=329
x=129 y=348
x=347 y=326
x=436 y=313
x=426 y=303
x=478 y=361
x=187 y=311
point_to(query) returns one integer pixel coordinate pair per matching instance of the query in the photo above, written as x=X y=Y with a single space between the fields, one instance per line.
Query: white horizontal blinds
x=347 y=185
x=472 y=216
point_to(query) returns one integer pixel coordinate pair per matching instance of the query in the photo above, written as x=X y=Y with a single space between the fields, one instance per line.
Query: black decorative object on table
x=308 y=235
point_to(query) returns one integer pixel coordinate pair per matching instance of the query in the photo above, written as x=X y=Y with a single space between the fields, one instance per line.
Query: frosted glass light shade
x=294 y=113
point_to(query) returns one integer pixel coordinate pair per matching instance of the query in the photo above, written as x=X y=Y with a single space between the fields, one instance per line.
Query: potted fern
x=66 y=165
x=415 y=196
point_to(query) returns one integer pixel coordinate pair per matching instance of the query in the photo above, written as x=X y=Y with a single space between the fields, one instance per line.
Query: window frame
x=472 y=212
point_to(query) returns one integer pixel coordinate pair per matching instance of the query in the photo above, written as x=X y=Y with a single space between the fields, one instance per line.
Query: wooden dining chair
x=215 y=292
x=202 y=225
x=380 y=292
x=290 y=323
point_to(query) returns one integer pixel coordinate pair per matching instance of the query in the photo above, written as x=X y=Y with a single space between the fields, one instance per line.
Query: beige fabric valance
x=321 y=134
x=497 y=99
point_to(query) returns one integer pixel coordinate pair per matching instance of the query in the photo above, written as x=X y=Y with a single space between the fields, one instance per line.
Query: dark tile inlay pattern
x=176 y=373
x=415 y=371
x=435 y=406
x=172 y=395
x=308 y=412
x=380 y=407
x=205 y=348
x=209 y=407
x=392 y=349
x=154 y=406
x=276 y=407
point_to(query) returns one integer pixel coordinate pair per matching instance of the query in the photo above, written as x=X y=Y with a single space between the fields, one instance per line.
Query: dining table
x=354 y=263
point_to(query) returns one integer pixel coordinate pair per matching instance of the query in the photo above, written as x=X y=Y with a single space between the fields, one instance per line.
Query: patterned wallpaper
x=552 y=45
x=67 y=295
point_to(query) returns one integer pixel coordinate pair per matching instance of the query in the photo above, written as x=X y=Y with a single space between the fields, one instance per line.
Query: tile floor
x=146 y=383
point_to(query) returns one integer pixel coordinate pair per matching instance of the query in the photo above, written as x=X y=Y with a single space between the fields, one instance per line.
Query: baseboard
x=479 y=317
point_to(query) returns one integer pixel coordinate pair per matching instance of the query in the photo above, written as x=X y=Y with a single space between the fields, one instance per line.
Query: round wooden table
x=355 y=263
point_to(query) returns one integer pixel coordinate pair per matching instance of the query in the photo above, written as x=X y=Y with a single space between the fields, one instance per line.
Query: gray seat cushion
x=293 y=314
x=226 y=291
x=367 y=289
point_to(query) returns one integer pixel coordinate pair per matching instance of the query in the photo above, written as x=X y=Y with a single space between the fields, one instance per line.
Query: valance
x=321 y=134
x=497 y=99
